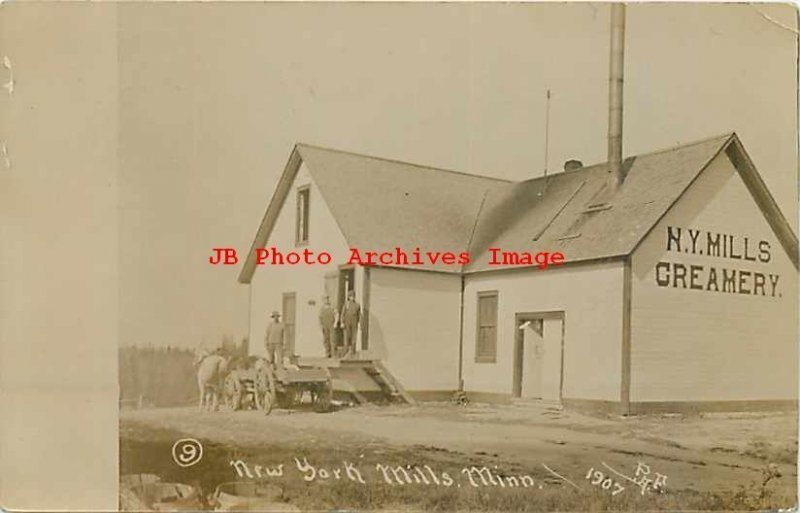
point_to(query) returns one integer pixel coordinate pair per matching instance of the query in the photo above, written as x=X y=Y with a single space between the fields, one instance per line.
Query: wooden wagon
x=264 y=387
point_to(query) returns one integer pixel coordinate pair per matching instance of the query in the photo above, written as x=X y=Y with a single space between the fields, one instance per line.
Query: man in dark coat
x=351 y=316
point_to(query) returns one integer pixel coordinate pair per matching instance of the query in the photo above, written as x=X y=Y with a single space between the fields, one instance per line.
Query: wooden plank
x=385 y=374
x=340 y=385
x=764 y=199
x=625 y=385
x=306 y=362
x=365 y=300
x=271 y=215
x=302 y=375
x=289 y=307
x=357 y=377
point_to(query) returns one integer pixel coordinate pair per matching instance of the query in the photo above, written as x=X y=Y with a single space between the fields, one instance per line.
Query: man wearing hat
x=327 y=319
x=351 y=316
x=274 y=340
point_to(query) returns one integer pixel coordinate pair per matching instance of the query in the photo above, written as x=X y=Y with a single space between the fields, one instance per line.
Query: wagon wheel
x=233 y=392
x=323 y=396
x=265 y=390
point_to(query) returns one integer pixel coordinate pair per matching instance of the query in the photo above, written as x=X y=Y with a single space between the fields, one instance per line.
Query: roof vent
x=572 y=165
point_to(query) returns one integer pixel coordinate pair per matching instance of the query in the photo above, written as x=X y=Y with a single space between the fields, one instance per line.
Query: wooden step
x=390 y=380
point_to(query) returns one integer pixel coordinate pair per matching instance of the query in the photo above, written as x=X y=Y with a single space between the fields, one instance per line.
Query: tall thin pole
x=615 y=83
x=546 y=131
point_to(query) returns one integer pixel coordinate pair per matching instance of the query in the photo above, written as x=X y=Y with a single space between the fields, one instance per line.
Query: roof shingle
x=554 y=213
x=381 y=204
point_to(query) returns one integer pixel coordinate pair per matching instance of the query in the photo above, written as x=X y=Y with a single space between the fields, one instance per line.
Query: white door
x=551 y=355
x=541 y=359
x=532 y=349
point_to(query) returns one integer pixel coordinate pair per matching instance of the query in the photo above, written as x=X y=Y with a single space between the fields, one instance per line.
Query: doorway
x=337 y=285
x=538 y=356
x=289 y=306
x=347 y=282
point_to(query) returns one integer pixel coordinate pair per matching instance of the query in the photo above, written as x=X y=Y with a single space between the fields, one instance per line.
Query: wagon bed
x=266 y=387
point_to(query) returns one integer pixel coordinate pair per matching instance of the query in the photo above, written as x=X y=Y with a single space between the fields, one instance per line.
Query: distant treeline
x=163 y=376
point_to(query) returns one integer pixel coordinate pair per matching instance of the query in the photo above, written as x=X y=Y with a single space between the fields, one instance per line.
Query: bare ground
x=709 y=454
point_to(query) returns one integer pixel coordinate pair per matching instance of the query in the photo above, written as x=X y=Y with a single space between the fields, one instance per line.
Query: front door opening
x=289 y=307
x=347 y=277
x=346 y=283
x=539 y=356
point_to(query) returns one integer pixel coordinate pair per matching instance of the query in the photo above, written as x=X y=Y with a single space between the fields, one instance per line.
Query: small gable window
x=301 y=225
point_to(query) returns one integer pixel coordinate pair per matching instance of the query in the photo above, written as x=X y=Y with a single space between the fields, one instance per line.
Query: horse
x=211 y=371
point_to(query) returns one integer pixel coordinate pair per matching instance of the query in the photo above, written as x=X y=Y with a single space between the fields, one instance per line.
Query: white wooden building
x=679 y=289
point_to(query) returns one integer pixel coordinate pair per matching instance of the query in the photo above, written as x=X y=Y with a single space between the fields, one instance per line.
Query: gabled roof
x=554 y=213
x=381 y=204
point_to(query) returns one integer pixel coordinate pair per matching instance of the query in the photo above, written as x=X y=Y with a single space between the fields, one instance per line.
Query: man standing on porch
x=351 y=316
x=274 y=340
x=327 y=318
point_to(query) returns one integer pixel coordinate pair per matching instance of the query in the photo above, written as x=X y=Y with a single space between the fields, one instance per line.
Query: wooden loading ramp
x=364 y=380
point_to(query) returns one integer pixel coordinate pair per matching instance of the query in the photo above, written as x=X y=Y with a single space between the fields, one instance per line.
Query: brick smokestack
x=616 y=72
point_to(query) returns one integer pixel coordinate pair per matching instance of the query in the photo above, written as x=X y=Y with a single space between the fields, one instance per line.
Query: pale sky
x=213 y=97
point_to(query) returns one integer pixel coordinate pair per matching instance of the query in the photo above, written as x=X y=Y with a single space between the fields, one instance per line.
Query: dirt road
x=714 y=452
